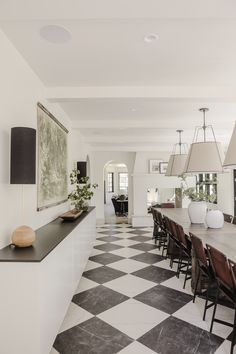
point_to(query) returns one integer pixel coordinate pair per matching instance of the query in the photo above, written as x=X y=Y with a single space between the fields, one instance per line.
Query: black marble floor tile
x=107 y=247
x=155 y=274
x=109 y=232
x=91 y=337
x=140 y=238
x=139 y=232
x=106 y=258
x=165 y=299
x=108 y=238
x=145 y=247
x=149 y=258
x=103 y=274
x=98 y=299
x=176 y=336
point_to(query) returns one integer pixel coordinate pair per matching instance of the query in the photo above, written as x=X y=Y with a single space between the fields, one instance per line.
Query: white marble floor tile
x=130 y=285
x=95 y=252
x=125 y=242
x=99 y=242
x=74 y=316
x=165 y=264
x=136 y=348
x=92 y=265
x=224 y=348
x=128 y=265
x=133 y=317
x=177 y=284
x=54 y=351
x=126 y=252
x=85 y=284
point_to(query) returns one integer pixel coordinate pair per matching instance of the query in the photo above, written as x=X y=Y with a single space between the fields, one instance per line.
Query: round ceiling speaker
x=55 y=34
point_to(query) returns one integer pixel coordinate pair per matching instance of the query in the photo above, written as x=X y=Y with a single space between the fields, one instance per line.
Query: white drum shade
x=230 y=158
x=176 y=164
x=205 y=157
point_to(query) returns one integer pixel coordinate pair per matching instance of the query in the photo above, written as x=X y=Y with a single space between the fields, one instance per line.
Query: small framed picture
x=154 y=166
x=163 y=167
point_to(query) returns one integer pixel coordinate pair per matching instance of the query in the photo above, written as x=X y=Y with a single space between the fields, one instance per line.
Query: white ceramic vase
x=215 y=219
x=197 y=212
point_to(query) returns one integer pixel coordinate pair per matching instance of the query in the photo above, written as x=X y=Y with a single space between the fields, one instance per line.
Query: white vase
x=197 y=212
x=215 y=219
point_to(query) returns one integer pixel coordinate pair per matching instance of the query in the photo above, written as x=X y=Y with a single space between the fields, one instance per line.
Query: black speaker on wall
x=82 y=167
x=23 y=155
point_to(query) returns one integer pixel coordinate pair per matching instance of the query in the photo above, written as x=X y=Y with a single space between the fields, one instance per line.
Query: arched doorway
x=116 y=186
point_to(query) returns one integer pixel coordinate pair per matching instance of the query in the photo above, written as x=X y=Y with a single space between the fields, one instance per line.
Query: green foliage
x=82 y=190
x=193 y=194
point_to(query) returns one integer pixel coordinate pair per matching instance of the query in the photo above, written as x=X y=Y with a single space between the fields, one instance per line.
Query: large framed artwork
x=52 y=160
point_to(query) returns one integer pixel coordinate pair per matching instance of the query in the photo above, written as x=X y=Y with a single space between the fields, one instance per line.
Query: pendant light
x=230 y=158
x=177 y=159
x=207 y=155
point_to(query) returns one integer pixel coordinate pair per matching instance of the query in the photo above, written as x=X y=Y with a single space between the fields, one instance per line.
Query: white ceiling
x=196 y=49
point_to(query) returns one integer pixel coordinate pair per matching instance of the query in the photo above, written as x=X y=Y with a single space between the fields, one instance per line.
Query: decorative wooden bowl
x=71 y=215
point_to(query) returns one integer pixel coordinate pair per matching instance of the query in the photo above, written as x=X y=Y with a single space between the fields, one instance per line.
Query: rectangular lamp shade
x=230 y=158
x=205 y=157
x=176 y=164
x=23 y=155
x=82 y=167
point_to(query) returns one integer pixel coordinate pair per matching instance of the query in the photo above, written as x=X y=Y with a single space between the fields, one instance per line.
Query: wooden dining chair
x=203 y=272
x=224 y=272
x=185 y=259
x=228 y=218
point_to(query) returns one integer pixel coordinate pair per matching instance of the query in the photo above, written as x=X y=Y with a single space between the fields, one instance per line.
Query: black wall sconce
x=23 y=155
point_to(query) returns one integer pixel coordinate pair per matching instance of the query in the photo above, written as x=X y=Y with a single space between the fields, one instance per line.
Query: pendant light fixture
x=230 y=158
x=178 y=158
x=204 y=155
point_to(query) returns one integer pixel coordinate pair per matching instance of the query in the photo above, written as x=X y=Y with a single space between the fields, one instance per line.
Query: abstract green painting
x=52 y=160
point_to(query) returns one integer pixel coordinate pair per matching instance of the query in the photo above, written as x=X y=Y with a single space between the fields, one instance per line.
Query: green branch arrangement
x=83 y=190
x=193 y=194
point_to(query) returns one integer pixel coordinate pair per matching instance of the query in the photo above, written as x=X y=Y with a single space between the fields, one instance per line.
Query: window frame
x=110 y=182
x=119 y=181
x=207 y=182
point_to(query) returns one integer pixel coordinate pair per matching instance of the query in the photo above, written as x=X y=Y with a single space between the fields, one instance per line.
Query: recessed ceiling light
x=151 y=37
x=133 y=109
x=55 y=34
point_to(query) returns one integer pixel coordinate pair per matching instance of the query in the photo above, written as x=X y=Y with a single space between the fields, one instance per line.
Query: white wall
x=225 y=192
x=20 y=90
x=142 y=180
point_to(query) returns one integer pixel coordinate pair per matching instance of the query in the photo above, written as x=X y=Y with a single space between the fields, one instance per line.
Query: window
x=207 y=182
x=123 y=181
x=110 y=182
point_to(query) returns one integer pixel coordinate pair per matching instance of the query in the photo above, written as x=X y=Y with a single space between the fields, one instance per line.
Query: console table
x=38 y=283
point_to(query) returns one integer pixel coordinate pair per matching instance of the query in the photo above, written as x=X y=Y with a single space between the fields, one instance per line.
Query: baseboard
x=100 y=221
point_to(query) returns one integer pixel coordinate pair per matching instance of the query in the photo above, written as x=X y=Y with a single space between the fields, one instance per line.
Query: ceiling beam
x=67 y=94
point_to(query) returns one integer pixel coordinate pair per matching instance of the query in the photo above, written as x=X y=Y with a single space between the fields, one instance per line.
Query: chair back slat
x=199 y=250
x=232 y=266
x=220 y=266
x=181 y=235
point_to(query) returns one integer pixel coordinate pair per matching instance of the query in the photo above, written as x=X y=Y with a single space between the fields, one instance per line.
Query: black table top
x=47 y=238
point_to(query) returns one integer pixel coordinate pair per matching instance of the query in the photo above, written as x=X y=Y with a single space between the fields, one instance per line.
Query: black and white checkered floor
x=130 y=302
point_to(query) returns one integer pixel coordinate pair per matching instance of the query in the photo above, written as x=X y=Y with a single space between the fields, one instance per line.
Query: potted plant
x=82 y=191
x=197 y=209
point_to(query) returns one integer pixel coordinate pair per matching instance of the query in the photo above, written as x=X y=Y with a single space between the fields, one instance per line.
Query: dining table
x=224 y=239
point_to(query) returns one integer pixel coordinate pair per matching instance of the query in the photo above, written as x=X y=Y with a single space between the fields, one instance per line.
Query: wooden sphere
x=23 y=236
